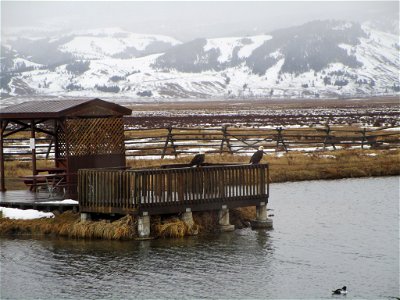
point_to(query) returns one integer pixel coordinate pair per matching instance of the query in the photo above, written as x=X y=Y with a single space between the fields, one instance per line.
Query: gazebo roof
x=55 y=109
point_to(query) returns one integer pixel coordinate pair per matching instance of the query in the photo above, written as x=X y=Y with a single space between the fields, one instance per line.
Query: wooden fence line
x=179 y=140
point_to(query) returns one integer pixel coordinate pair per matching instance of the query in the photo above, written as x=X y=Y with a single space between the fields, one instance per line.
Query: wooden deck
x=172 y=190
x=25 y=199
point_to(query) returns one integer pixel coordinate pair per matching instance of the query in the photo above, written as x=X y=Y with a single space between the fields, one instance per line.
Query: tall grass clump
x=172 y=227
x=69 y=225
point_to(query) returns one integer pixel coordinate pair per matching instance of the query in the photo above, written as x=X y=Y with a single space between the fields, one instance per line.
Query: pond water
x=326 y=234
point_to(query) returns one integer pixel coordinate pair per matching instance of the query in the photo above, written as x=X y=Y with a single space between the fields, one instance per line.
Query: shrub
x=78 y=67
x=108 y=89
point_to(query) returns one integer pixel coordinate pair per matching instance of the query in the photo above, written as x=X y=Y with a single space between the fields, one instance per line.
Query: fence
x=172 y=190
x=180 y=140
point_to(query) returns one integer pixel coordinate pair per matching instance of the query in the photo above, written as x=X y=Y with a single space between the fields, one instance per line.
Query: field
x=362 y=112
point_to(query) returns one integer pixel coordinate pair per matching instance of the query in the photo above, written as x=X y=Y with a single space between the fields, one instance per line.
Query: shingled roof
x=50 y=109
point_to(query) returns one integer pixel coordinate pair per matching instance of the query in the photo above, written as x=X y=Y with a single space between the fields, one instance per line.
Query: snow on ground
x=21 y=62
x=103 y=43
x=392 y=129
x=371 y=154
x=226 y=46
x=328 y=156
x=257 y=41
x=65 y=201
x=24 y=214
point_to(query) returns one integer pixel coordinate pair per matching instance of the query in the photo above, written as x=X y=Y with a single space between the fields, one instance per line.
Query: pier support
x=223 y=220
x=262 y=220
x=187 y=217
x=144 y=226
x=86 y=217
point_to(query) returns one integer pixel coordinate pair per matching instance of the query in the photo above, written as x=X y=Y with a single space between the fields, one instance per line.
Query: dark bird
x=342 y=291
x=198 y=159
x=257 y=156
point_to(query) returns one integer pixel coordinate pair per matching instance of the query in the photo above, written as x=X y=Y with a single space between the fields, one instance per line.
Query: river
x=326 y=234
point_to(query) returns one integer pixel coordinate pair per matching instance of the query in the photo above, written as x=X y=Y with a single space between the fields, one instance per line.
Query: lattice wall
x=61 y=142
x=95 y=136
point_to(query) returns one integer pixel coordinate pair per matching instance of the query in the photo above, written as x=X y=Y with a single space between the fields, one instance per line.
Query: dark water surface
x=326 y=234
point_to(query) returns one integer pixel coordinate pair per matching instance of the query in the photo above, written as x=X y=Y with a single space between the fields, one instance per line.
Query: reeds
x=69 y=225
x=170 y=228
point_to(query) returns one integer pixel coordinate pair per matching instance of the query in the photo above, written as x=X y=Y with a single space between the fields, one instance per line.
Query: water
x=326 y=234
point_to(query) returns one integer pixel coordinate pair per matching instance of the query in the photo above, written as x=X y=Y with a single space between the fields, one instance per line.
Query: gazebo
x=87 y=133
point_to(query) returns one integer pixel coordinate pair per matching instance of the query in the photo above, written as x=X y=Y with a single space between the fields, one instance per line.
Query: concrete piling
x=261 y=220
x=223 y=220
x=85 y=217
x=187 y=217
x=144 y=225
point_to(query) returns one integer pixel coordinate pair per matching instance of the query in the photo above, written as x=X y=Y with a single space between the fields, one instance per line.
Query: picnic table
x=51 y=170
x=52 y=183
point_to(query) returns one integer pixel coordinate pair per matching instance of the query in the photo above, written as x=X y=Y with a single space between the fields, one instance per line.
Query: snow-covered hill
x=317 y=59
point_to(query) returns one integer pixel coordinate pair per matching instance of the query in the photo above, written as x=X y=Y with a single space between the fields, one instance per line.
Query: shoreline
x=291 y=167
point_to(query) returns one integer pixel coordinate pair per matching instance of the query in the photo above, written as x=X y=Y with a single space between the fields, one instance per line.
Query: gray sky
x=187 y=20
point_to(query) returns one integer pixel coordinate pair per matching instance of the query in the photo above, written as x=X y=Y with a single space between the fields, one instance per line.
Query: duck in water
x=342 y=291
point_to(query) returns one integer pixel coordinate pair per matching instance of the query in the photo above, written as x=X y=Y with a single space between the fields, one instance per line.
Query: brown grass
x=69 y=225
x=293 y=166
x=169 y=228
x=296 y=166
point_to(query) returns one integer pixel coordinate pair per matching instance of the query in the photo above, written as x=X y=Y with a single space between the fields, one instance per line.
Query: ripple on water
x=326 y=234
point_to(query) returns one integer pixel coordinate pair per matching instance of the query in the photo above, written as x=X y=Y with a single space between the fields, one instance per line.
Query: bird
x=342 y=291
x=257 y=156
x=198 y=159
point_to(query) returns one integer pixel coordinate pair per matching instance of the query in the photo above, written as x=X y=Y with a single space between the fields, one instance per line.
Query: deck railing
x=172 y=190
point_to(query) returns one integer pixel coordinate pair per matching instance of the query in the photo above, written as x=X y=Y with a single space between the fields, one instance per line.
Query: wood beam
x=2 y=172
x=34 y=172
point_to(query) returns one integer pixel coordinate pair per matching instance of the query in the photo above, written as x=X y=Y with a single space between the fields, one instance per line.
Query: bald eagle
x=198 y=159
x=257 y=156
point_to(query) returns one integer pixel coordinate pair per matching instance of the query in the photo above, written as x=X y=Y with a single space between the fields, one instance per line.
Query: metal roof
x=62 y=108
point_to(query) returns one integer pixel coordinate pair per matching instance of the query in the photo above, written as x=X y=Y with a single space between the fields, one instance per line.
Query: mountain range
x=318 y=59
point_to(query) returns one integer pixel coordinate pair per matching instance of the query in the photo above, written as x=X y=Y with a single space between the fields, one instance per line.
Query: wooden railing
x=172 y=190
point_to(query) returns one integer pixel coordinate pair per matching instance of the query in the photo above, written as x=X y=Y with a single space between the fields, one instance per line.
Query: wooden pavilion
x=87 y=133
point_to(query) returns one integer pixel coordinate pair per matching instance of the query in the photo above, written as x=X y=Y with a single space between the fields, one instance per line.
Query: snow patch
x=24 y=214
x=66 y=201
x=226 y=46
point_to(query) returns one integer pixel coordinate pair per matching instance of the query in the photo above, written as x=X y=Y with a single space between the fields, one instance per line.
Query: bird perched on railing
x=342 y=291
x=257 y=156
x=198 y=159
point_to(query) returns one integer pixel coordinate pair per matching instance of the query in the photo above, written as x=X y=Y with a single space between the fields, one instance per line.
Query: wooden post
x=167 y=141
x=279 y=140
x=2 y=175
x=328 y=138
x=364 y=139
x=49 y=149
x=56 y=146
x=225 y=139
x=34 y=172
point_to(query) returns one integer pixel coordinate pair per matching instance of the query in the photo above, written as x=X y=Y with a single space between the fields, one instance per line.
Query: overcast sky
x=188 y=20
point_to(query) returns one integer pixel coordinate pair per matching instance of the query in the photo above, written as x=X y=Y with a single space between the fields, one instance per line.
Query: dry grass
x=172 y=227
x=169 y=228
x=207 y=221
x=69 y=225
x=16 y=168
x=293 y=166
x=296 y=166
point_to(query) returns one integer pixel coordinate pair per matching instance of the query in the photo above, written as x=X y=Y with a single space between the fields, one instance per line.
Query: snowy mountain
x=317 y=59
